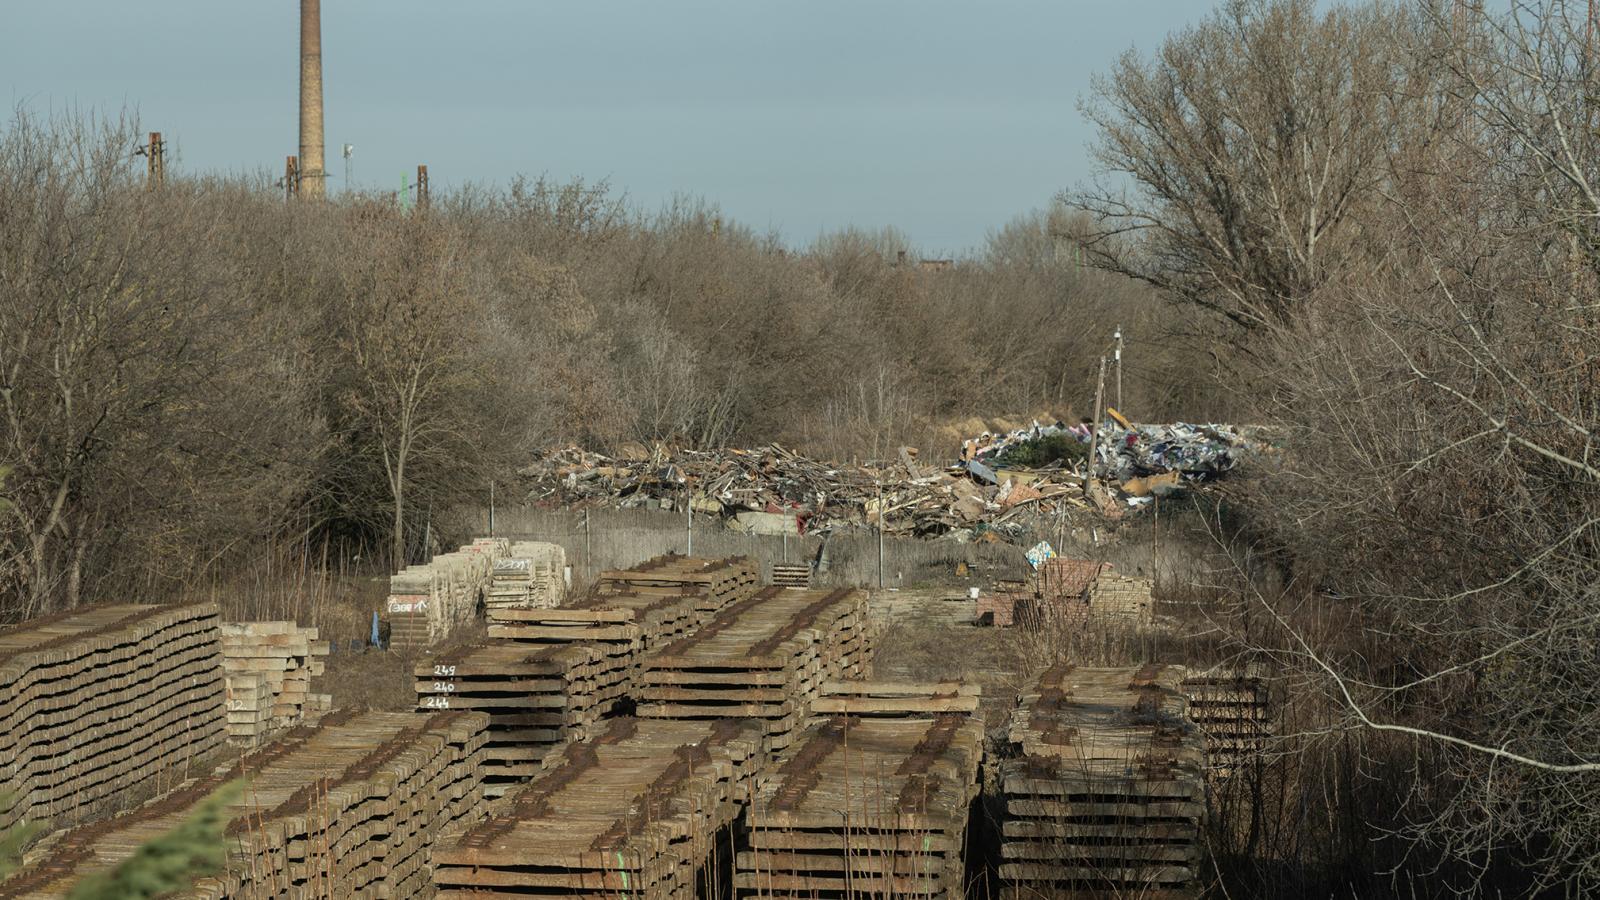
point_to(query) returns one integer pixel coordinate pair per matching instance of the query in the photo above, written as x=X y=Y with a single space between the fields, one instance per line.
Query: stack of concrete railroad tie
x=642 y=810
x=94 y=702
x=427 y=602
x=795 y=575
x=634 y=611
x=1106 y=788
x=1233 y=708
x=532 y=575
x=269 y=667
x=871 y=799
x=764 y=657
x=536 y=697
x=348 y=808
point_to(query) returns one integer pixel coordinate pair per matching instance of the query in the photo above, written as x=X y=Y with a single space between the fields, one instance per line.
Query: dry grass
x=382 y=679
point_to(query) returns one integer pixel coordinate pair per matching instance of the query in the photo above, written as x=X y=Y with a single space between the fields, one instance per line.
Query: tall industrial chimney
x=313 y=176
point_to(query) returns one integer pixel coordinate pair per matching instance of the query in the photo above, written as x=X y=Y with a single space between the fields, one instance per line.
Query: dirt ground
x=382 y=679
x=929 y=636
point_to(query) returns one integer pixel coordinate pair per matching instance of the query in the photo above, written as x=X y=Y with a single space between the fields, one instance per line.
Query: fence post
x=880 y=535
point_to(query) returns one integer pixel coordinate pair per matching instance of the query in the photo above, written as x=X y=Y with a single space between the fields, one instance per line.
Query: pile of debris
x=773 y=490
x=1137 y=462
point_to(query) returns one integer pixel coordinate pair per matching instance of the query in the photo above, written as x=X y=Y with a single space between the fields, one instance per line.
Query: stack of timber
x=1233 y=708
x=349 y=808
x=1106 y=791
x=871 y=800
x=537 y=698
x=795 y=575
x=94 y=702
x=764 y=657
x=532 y=575
x=640 y=810
x=269 y=667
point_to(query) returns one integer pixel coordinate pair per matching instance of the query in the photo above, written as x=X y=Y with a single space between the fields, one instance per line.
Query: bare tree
x=1245 y=153
x=412 y=332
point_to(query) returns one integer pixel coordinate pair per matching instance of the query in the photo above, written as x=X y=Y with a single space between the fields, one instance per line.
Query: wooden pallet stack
x=537 y=698
x=532 y=575
x=1233 y=708
x=871 y=800
x=97 y=701
x=765 y=657
x=349 y=808
x=269 y=667
x=1106 y=790
x=640 y=810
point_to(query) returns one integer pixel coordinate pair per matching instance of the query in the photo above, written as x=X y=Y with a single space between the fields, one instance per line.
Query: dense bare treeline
x=193 y=372
x=1392 y=209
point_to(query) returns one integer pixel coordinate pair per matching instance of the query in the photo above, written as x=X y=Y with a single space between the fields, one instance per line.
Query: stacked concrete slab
x=1233 y=708
x=348 y=808
x=536 y=698
x=531 y=575
x=269 y=667
x=95 y=702
x=633 y=611
x=429 y=601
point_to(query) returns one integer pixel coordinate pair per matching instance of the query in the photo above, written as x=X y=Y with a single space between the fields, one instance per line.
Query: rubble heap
x=773 y=489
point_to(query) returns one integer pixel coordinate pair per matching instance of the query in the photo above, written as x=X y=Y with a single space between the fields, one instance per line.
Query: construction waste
x=984 y=495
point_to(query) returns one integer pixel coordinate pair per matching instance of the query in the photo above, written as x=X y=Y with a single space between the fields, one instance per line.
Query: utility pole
x=291 y=178
x=880 y=532
x=156 y=157
x=422 y=187
x=1119 y=370
x=1094 y=434
x=311 y=164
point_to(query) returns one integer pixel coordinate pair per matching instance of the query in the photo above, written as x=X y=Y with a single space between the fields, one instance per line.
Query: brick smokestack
x=313 y=176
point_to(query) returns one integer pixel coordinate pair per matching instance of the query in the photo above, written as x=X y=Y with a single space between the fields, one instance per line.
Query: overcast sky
x=944 y=119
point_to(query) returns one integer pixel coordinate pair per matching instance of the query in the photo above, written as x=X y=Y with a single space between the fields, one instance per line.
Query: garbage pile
x=984 y=495
x=774 y=490
x=1134 y=462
